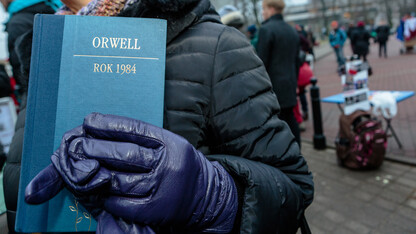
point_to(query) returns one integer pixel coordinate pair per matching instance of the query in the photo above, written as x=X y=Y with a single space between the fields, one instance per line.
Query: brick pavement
x=397 y=72
x=3 y=224
x=356 y=202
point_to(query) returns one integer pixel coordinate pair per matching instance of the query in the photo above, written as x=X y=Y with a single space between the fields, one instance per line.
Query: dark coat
x=5 y=86
x=219 y=97
x=20 y=23
x=360 y=38
x=383 y=33
x=278 y=47
x=350 y=31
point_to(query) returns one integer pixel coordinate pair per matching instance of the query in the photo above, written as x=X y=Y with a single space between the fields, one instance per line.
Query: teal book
x=79 y=65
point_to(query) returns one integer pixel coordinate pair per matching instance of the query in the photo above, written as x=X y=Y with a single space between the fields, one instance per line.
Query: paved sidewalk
x=376 y=202
x=397 y=72
x=323 y=50
x=3 y=224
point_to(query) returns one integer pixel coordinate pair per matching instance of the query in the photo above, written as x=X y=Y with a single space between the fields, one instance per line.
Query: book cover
x=84 y=64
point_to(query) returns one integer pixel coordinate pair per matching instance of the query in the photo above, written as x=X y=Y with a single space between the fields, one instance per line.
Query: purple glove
x=157 y=177
x=107 y=223
x=82 y=177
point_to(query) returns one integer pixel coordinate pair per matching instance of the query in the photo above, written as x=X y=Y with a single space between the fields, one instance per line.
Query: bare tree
x=334 y=7
x=255 y=11
x=364 y=10
x=352 y=14
x=389 y=12
x=402 y=6
x=324 y=8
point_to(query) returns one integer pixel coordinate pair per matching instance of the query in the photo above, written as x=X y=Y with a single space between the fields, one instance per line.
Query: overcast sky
x=296 y=2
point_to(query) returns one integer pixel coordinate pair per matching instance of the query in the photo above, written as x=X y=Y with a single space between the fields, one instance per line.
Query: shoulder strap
x=304 y=227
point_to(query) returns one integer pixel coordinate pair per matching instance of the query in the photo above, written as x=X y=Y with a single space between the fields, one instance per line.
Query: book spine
x=23 y=215
x=40 y=117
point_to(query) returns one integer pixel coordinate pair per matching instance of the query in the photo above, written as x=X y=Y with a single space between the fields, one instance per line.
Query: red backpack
x=361 y=141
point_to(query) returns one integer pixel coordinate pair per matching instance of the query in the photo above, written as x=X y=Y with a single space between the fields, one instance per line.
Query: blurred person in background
x=252 y=35
x=5 y=91
x=361 y=40
x=337 y=39
x=278 y=48
x=312 y=39
x=350 y=31
x=21 y=14
x=304 y=79
x=305 y=44
x=5 y=86
x=383 y=32
x=231 y=16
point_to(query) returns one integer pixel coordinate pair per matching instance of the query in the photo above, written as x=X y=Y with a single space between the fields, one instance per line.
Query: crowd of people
x=360 y=38
x=283 y=48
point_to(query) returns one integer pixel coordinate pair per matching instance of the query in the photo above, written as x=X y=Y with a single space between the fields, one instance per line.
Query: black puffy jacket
x=11 y=173
x=219 y=97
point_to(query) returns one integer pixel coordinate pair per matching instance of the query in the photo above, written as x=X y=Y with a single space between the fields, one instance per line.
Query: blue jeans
x=340 y=56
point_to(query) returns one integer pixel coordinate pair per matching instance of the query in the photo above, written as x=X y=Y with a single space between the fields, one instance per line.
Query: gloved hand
x=86 y=180
x=157 y=177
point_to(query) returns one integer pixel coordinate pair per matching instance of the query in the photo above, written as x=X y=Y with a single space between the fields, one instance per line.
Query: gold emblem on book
x=79 y=218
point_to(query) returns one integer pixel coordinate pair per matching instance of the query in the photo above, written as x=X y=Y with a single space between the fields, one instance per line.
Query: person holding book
x=223 y=162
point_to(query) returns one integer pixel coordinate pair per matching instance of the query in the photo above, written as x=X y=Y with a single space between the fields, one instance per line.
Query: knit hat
x=252 y=29
x=360 y=24
x=231 y=16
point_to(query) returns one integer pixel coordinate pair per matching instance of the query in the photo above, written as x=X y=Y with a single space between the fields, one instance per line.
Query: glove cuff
x=222 y=209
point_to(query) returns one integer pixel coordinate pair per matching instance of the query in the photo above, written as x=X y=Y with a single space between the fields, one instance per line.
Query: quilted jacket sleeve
x=268 y=201
x=244 y=112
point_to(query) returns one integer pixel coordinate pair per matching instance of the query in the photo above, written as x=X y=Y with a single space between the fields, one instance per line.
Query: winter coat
x=20 y=23
x=361 y=41
x=5 y=86
x=278 y=48
x=305 y=44
x=350 y=31
x=219 y=97
x=337 y=38
x=383 y=33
